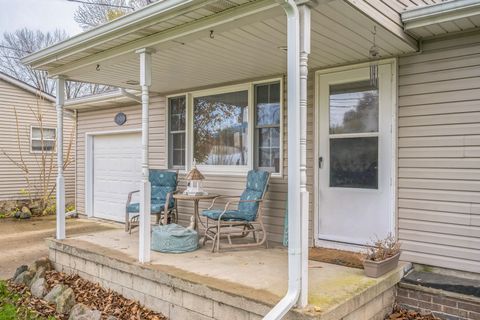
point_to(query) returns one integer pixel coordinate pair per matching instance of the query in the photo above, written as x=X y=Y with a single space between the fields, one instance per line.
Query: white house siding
x=12 y=180
x=89 y=121
x=439 y=153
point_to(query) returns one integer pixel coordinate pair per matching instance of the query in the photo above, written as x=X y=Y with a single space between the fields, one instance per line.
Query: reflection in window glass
x=267 y=114
x=220 y=124
x=354 y=162
x=176 y=137
x=353 y=108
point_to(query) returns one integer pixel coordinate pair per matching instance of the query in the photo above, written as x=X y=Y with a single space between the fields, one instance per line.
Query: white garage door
x=116 y=172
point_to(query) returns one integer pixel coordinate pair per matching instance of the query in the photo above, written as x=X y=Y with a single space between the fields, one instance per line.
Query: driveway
x=23 y=241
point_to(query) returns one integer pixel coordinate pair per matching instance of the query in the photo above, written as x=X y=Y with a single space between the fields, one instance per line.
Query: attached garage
x=115 y=171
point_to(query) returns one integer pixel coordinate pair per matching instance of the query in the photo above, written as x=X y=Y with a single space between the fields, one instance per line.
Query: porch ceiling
x=248 y=42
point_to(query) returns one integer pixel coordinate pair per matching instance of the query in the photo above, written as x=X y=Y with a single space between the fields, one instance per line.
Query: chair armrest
x=238 y=201
x=167 y=200
x=130 y=196
x=221 y=197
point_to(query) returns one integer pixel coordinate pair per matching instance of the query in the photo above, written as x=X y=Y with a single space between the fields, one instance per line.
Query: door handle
x=320 y=162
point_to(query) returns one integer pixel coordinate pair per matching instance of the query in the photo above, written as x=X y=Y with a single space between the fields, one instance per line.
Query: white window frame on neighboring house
x=252 y=145
x=32 y=128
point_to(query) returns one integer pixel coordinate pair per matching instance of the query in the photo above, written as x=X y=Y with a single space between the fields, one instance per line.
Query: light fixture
x=132 y=82
x=374 y=56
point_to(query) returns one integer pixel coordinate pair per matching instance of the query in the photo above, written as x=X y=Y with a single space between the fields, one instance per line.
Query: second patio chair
x=163 y=205
x=230 y=223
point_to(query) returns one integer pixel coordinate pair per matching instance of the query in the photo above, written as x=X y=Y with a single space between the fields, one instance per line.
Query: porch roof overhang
x=442 y=18
x=248 y=41
x=110 y=99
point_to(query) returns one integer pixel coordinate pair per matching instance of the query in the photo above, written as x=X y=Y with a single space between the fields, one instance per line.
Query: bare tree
x=20 y=43
x=39 y=171
x=93 y=13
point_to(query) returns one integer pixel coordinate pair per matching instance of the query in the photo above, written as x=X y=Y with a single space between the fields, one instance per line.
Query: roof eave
x=438 y=13
x=25 y=86
x=156 y=12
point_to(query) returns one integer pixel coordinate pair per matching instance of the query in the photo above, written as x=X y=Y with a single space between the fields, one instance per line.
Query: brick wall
x=452 y=307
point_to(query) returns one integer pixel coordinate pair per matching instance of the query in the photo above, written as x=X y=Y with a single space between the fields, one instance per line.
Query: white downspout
x=294 y=200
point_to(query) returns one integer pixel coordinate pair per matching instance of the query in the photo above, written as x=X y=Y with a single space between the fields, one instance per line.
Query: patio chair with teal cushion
x=245 y=219
x=163 y=205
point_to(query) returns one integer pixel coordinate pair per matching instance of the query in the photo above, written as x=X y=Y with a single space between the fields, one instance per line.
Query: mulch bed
x=404 y=314
x=340 y=257
x=90 y=294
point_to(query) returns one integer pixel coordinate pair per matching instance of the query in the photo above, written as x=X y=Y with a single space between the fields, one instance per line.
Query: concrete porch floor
x=258 y=274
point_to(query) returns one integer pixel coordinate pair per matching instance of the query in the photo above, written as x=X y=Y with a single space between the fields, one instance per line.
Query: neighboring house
x=399 y=157
x=24 y=148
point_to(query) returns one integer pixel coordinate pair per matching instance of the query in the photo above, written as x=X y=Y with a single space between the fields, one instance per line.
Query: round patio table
x=196 y=199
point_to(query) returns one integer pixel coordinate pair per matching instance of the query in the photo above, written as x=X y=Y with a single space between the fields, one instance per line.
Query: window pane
x=176 y=142
x=267 y=112
x=177 y=149
x=220 y=125
x=353 y=108
x=354 y=163
x=48 y=145
x=177 y=114
x=48 y=134
x=268 y=104
x=269 y=149
x=178 y=157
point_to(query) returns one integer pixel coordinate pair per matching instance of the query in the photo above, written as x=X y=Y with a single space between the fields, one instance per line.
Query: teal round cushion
x=173 y=238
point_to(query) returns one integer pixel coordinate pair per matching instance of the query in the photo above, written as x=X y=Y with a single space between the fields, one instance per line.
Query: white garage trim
x=89 y=136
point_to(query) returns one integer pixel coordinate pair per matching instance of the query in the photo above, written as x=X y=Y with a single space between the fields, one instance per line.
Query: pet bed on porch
x=173 y=238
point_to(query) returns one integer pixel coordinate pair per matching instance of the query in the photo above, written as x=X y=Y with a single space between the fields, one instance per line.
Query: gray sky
x=46 y=15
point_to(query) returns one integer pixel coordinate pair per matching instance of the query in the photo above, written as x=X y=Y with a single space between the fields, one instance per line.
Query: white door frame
x=316 y=151
x=89 y=136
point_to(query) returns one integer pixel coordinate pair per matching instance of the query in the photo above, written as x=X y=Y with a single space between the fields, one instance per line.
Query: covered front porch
x=243 y=284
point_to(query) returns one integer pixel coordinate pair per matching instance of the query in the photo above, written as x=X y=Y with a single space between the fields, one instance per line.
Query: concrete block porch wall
x=178 y=298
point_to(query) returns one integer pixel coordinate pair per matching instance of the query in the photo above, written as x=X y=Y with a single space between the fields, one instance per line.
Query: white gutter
x=441 y=12
x=294 y=209
x=130 y=95
x=154 y=13
x=112 y=96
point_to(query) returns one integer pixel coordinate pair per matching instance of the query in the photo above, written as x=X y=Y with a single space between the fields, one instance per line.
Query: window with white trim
x=267 y=126
x=176 y=136
x=220 y=129
x=42 y=139
x=228 y=129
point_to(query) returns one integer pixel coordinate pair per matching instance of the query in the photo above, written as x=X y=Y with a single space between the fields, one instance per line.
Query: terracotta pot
x=375 y=269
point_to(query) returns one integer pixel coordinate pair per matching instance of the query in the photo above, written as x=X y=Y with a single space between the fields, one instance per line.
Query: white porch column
x=145 y=188
x=304 y=12
x=60 y=195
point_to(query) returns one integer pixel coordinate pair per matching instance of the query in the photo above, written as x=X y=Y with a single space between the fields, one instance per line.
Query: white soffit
x=442 y=18
x=247 y=46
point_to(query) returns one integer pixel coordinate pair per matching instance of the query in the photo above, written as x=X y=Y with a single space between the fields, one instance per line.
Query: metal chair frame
x=164 y=214
x=224 y=229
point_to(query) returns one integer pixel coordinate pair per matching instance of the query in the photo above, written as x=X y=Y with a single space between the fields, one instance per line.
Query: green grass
x=9 y=309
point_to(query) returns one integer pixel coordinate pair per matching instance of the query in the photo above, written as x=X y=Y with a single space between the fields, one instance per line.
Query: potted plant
x=381 y=257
